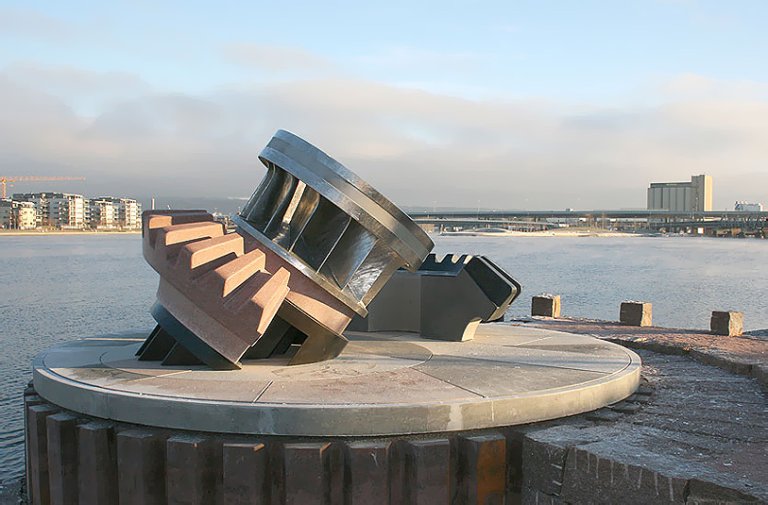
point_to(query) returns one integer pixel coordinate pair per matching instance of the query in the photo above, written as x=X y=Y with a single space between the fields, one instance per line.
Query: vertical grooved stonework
x=190 y=470
x=97 y=475
x=62 y=458
x=140 y=468
x=37 y=438
x=305 y=473
x=367 y=473
x=245 y=473
x=30 y=400
x=482 y=469
x=428 y=472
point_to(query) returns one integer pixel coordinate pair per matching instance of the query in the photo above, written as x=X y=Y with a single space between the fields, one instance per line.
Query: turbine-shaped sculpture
x=313 y=246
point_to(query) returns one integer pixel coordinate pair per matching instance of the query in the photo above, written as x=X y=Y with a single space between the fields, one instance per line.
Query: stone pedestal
x=729 y=323
x=394 y=419
x=545 y=305
x=636 y=313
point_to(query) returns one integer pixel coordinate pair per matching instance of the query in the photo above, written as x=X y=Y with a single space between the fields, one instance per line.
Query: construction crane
x=4 y=180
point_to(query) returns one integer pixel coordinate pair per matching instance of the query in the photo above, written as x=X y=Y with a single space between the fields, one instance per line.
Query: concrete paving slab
x=496 y=378
x=402 y=386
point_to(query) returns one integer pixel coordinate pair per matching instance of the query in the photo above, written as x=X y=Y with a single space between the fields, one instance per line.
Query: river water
x=61 y=287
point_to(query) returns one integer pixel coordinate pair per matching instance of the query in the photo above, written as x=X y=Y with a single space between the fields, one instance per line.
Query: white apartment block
x=129 y=213
x=17 y=215
x=6 y=213
x=102 y=213
x=60 y=210
x=126 y=212
x=68 y=211
x=25 y=215
x=682 y=196
x=41 y=203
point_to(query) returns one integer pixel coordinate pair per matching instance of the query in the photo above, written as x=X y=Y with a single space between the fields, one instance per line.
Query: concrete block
x=588 y=475
x=546 y=305
x=636 y=313
x=760 y=372
x=304 y=472
x=190 y=470
x=728 y=323
x=427 y=472
x=514 y=451
x=397 y=307
x=536 y=497
x=367 y=473
x=245 y=473
x=543 y=465
x=37 y=438
x=482 y=469
x=97 y=456
x=701 y=492
x=62 y=458
x=445 y=299
x=140 y=468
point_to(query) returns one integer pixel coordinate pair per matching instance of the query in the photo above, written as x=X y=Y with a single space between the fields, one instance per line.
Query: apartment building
x=6 y=213
x=102 y=213
x=68 y=211
x=17 y=215
x=41 y=204
x=126 y=212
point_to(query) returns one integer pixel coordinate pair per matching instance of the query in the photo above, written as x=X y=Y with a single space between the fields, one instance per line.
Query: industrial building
x=748 y=207
x=693 y=196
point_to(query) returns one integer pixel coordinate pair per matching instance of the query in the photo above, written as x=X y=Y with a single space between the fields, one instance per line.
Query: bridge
x=711 y=222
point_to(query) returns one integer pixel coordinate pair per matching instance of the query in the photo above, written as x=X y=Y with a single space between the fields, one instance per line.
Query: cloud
x=405 y=57
x=280 y=59
x=75 y=83
x=689 y=86
x=34 y=24
x=417 y=147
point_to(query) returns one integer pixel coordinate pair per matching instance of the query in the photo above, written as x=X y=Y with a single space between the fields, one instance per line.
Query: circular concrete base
x=382 y=384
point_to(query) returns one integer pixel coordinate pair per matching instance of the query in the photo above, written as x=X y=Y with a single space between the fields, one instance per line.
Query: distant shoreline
x=36 y=233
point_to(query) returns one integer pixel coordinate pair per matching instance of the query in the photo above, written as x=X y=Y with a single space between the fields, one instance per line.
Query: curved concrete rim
x=68 y=376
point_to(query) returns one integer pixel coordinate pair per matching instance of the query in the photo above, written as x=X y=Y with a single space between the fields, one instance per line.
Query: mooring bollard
x=545 y=305
x=636 y=313
x=728 y=323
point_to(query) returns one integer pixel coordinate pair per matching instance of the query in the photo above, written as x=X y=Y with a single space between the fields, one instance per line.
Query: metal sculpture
x=444 y=299
x=313 y=246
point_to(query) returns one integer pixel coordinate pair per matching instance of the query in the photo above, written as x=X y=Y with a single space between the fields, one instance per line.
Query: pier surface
x=695 y=431
x=382 y=384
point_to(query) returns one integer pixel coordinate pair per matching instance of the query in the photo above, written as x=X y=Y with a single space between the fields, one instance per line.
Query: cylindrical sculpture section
x=329 y=223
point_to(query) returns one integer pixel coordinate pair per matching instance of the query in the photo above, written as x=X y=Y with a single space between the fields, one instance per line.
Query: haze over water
x=59 y=288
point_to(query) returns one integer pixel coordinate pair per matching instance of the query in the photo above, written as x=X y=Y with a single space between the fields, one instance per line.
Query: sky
x=499 y=105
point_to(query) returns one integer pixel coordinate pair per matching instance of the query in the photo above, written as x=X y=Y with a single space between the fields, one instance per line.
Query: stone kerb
x=546 y=305
x=728 y=323
x=634 y=313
